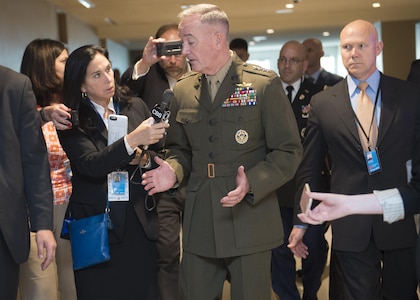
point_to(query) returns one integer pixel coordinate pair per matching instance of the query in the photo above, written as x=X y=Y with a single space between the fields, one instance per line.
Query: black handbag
x=89 y=240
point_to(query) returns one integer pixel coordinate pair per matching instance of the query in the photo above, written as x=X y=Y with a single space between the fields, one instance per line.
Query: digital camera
x=169 y=48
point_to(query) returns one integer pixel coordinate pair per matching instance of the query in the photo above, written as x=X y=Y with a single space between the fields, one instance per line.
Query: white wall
x=118 y=55
x=79 y=34
x=22 y=21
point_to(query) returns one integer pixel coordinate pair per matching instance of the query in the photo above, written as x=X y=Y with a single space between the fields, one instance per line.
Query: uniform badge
x=305 y=111
x=241 y=136
x=302 y=132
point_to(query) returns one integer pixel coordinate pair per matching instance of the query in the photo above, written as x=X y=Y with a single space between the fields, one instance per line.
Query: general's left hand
x=237 y=195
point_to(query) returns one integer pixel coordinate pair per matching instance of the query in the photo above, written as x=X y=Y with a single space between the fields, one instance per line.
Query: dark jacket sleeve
x=36 y=169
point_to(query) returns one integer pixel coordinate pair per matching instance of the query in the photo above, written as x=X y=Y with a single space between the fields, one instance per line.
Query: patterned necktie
x=289 y=89
x=368 y=129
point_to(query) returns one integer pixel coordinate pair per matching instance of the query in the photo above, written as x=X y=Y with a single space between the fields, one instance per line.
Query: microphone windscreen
x=168 y=94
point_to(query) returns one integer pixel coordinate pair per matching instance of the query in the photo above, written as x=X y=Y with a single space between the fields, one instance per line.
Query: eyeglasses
x=292 y=61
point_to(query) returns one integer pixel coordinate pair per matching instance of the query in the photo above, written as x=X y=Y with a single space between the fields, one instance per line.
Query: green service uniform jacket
x=206 y=144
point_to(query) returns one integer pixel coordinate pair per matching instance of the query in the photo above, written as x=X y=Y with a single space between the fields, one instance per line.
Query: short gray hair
x=208 y=13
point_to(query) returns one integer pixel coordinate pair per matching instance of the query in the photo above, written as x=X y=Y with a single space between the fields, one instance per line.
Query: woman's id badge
x=372 y=162
x=118 y=186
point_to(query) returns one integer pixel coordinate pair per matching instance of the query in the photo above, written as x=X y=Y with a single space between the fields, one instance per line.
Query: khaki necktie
x=368 y=129
x=214 y=87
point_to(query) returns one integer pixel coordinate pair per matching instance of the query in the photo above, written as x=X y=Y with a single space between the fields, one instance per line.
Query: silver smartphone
x=117 y=127
x=305 y=200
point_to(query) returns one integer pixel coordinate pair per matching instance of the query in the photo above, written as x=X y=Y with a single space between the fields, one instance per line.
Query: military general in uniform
x=233 y=138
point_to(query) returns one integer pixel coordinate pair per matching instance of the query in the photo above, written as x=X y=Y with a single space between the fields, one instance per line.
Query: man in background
x=148 y=79
x=151 y=75
x=292 y=63
x=240 y=46
x=315 y=72
x=25 y=184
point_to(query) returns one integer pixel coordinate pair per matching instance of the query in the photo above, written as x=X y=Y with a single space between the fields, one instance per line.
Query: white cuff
x=130 y=150
x=136 y=76
x=392 y=204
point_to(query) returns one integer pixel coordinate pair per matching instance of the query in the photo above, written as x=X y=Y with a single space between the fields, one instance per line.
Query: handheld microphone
x=161 y=113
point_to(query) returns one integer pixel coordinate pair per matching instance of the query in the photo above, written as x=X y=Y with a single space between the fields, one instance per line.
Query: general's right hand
x=160 y=179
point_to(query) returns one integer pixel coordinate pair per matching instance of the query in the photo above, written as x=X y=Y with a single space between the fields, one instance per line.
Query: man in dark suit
x=292 y=64
x=151 y=75
x=25 y=184
x=240 y=46
x=315 y=72
x=148 y=79
x=234 y=138
x=376 y=258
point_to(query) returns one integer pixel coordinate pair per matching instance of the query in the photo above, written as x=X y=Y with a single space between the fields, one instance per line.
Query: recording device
x=161 y=113
x=169 y=48
x=74 y=117
x=117 y=127
x=305 y=201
